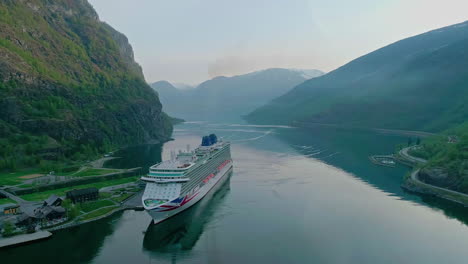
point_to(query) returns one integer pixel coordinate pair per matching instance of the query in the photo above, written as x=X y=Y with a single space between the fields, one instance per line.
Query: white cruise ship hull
x=212 y=186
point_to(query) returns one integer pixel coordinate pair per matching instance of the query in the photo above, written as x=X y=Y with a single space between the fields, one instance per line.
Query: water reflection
x=285 y=207
x=450 y=209
x=137 y=156
x=60 y=248
x=181 y=232
x=349 y=150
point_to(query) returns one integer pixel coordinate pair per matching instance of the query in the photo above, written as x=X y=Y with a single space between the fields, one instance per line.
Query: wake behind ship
x=175 y=185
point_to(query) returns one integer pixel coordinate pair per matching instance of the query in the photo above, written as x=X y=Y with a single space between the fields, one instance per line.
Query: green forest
x=449 y=152
x=69 y=87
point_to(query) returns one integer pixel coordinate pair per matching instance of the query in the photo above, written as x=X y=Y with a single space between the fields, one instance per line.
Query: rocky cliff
x=69 y=82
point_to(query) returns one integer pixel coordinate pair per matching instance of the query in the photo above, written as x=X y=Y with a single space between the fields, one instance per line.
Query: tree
x=8 y=229
x=410 y=141
x=399 y=147
x=418 y=141
x=73 y=210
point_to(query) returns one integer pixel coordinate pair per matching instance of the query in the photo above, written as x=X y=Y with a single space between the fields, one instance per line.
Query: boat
x=175 y=185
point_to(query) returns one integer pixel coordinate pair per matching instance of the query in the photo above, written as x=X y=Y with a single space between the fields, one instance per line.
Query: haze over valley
x=249 y=131
x=228 y=99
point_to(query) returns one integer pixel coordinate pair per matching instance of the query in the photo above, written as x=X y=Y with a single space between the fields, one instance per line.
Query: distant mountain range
x=183 y=86
x=228 y=98
x=419 y=83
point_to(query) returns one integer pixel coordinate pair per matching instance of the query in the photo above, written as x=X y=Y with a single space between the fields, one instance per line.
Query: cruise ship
x=175 y=185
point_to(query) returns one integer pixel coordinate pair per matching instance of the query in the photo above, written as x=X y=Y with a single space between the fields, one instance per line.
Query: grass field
x=6 y=201
x=98 y=213
x=91 y=206
x=13 y=178
x=122 y=197
x=39 y=196
x=94 y=172
x=105 y=195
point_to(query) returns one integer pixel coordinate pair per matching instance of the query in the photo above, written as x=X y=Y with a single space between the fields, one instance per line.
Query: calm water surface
x=295 y=196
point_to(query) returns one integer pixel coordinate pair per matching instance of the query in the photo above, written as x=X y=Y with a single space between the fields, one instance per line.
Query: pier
x=23 y=239
x=383 y=160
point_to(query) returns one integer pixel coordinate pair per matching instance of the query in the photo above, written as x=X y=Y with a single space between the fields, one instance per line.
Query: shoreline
x=132 y=202
x=78 y=223
x=23 y=239
x=412 y=183
x=44 y=234
x=127 y=204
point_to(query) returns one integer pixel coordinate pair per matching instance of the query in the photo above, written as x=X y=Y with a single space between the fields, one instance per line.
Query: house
x=41 y=214
x=53 y=200
x=83 y=195
x=27 y=220
x=452 y=139
x=50 y=212
x=9 y=209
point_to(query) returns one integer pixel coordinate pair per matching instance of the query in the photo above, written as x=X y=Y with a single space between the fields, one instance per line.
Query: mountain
x=69 y=85
x=183 y=86
x=170 y=96
x=166 y=89
x=228 y=98
x=419 y=83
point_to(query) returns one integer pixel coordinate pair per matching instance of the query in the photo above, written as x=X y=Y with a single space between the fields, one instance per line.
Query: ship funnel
x=213 y=138
x=206 y=141
x=209 y=140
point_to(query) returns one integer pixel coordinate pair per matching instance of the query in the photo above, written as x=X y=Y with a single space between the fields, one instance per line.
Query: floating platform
x=383 y=160
x=24 y=239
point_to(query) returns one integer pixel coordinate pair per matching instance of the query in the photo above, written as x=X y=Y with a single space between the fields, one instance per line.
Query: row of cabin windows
x=202 y=175
x=214 y=156
x=165 y=178
x=198 y=176
x=179 y=170
x=156 y=171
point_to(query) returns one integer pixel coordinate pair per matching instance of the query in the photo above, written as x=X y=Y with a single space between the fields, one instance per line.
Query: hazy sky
x=190 y=41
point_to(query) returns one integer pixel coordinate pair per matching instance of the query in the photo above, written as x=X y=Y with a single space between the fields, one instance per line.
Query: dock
x=23 y=239
x=383 y=160
x=134 y=202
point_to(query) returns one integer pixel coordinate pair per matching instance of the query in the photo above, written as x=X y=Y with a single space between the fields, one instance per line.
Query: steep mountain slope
x=228 y=98
x=69 y=85
x=417 y=83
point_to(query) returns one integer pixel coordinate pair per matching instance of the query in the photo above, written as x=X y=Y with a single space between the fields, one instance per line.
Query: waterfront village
x=34 y=204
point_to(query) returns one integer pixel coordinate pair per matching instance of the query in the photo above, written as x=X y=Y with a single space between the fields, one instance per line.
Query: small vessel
x=383 y=160
x=175 y=185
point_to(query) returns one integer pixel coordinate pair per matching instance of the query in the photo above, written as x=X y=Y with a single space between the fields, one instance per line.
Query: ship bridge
x=173 y=170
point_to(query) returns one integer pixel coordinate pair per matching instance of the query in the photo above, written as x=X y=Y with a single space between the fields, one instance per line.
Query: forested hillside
x=448 y=159
x=420 y=83
x=69 y=86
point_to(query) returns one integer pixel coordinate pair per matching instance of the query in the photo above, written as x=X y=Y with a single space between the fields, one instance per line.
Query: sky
x=190 y=41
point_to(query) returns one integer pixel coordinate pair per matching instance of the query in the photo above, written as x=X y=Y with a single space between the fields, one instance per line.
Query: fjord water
x=294 y=196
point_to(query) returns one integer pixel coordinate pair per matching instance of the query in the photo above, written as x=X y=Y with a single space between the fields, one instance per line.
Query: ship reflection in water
x=181 y=232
